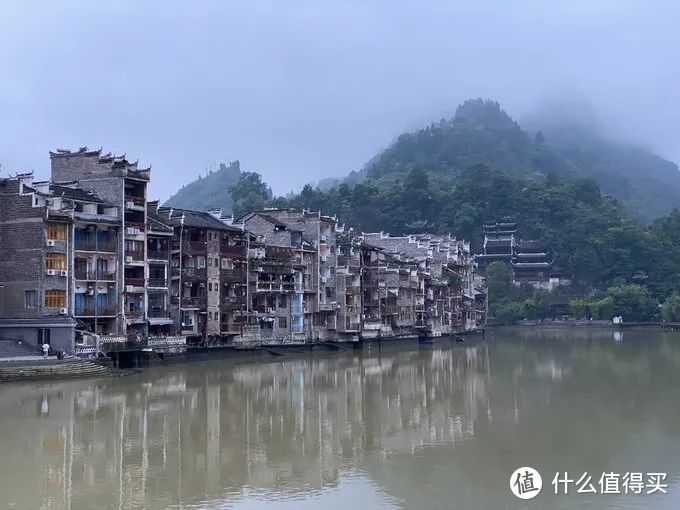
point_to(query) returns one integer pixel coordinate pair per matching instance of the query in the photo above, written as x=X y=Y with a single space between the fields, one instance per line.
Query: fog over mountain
x=301 y=91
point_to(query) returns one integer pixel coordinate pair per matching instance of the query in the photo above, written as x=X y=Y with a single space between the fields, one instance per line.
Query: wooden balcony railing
x=138 y=201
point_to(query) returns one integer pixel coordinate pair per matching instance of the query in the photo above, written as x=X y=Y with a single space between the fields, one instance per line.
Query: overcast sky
x=303 y=90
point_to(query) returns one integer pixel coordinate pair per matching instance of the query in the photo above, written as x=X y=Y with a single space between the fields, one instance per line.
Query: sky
x=302 y=90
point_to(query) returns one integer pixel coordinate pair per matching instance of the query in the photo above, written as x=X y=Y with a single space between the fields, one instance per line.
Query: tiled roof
x=197 y=219
x=77 y=194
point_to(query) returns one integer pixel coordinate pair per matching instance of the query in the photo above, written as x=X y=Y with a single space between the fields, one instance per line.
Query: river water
x=439 y=427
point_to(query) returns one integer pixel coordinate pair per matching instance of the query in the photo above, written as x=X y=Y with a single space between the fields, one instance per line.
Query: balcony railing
x=199 y=247
x=158 y=254
x=85 y=244
x=134 y=281
x=193 y=301
x=157 y=312
x=230 y=303
x=136 y=313
x=92 y=311
x=233 y=251
x=235 y=274
x=190 y=273
x=92 y=275
x=138 y=201
x=157 y=282
x=135 y=255
x=166 y=341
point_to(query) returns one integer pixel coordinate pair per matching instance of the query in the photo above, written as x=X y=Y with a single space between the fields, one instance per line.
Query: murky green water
x=438 y=427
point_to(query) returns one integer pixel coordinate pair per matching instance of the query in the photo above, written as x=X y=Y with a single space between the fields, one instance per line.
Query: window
x=200 y=261
x=55 y=261
x=56 y=231
x=217 y=262
x=210 y=286
x=283 y=323
x=217 y=316
x=210 y=262
x=210 y=315
x=282 y=301
x=30 y=299
x=55 y=298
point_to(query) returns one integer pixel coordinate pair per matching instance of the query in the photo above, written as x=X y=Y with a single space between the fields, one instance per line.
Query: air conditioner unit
x=128 y=259
x=63 y=311
x=51 y=272
x=50 y=242
x=129 y=204
x=129 y=288
x=324 y=279
x=63 y=273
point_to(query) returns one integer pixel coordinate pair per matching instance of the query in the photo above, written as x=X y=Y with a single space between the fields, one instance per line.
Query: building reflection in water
x=208 y=432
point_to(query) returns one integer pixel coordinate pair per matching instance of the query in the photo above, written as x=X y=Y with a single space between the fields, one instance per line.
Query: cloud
x=304 y=90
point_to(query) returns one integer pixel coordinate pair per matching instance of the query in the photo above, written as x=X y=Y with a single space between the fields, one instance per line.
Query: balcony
x=158 y=283
x=192 y=301
x=191 y=247
x=134 y=202
x=328 y=306
x=190 y=273
x=136 y=313
x=157 y=312
x=134 y=256
x=94 y=311
x=158 y=254
x=234 y=252
x=236 y=274
x=134 y=281
x=92 y=275
x=348 y=261
x=231 y=303
x=85 y=245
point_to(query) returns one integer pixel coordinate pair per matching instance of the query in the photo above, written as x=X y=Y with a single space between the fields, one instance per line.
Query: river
x=401 y=426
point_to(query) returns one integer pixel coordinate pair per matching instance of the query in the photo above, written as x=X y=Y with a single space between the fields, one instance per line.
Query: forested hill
x=209 y=191
x=481 y=132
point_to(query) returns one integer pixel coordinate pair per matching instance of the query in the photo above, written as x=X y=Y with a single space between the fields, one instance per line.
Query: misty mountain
x=210 y=191
x=481 y=132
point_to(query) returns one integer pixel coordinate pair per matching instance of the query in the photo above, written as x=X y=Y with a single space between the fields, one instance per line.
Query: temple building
x=531 y=262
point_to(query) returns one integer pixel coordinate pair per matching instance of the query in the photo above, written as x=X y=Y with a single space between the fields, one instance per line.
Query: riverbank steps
x=51 y=369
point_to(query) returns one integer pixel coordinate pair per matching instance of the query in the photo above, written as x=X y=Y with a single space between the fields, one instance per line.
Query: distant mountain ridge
x=210 y=191
x=482 y=133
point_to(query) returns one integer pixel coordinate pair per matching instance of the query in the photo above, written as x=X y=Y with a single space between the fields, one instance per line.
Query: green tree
x=249 y=193
x=632 y=302
x=577 y=307
x=670 y=311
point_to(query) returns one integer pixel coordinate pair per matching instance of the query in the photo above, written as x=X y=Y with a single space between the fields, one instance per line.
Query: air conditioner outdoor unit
x=128 y=259
x=129 y=288
x=63 y=273
x=51 y=272
x=50 y=242
x=63 y=311
x=323 y=279
x=129 y=204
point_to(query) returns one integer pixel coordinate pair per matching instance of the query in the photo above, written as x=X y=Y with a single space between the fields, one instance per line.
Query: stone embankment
x=25 y=370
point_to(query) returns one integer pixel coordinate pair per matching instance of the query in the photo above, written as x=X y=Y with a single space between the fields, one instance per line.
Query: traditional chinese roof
x=77 y=194
x=189 y=218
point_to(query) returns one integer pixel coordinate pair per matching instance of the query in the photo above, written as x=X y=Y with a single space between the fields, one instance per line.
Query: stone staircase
x=51 y=369
x=11 y=349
